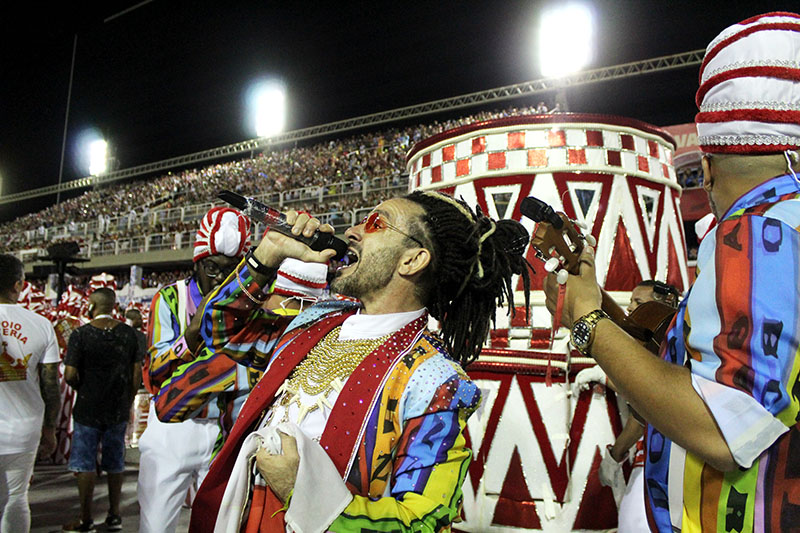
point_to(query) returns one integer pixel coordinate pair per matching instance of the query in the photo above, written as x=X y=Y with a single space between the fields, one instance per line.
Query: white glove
x=611 y=475
x=587 y=376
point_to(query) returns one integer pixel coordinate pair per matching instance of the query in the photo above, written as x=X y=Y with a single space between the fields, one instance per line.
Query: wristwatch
x=582 y=334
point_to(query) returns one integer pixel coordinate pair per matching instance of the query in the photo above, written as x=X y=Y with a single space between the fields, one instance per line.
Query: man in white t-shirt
x=28 y=353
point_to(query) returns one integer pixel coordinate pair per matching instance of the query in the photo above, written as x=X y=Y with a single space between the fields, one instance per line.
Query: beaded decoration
x=322 y=371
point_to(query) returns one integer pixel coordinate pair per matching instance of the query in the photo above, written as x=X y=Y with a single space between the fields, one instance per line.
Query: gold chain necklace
x=323 y=369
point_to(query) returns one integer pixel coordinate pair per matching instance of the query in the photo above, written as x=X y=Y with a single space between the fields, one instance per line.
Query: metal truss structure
x=626 y=70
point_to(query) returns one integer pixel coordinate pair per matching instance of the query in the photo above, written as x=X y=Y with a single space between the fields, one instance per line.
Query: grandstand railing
x=191 y=213
x=93 y=237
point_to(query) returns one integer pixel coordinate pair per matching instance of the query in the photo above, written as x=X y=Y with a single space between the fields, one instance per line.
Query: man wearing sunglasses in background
x=359 y=417
x=175 y=456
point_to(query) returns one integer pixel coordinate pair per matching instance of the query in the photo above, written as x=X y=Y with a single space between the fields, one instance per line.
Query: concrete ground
x=54 y=498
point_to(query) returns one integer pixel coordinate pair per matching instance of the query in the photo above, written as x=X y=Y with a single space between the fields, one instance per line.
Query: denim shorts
x=83 y=453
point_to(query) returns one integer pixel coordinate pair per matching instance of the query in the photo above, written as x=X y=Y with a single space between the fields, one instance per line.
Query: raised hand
x=275 y=247
x=582 y=291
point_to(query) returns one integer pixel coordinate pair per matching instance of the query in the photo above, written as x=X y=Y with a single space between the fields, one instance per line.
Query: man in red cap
x=175 y=457
x=722 y=402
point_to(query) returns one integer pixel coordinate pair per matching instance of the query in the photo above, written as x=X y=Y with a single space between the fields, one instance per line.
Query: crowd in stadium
x=299 y=172
x=323 y=178
x=332 y=179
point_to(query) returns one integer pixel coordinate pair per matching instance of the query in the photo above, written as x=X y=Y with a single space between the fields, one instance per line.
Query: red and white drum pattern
x=537 y=447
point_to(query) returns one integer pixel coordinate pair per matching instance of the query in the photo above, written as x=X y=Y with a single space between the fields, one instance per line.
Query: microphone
x=277 y=222
x=538 y=211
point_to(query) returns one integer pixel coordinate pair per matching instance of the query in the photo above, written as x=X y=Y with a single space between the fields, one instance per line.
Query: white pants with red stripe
x=174 y=458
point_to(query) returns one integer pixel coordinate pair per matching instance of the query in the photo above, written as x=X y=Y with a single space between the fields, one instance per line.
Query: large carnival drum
x=537 y=446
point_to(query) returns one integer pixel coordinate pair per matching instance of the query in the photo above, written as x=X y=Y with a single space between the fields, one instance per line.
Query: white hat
x=749 y=95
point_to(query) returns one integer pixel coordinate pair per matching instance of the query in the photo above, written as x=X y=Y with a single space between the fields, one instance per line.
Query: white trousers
x=632 y=515
x=172 y=457
x=16 y=470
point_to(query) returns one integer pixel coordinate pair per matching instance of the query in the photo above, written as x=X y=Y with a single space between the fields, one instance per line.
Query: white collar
x=361 y=326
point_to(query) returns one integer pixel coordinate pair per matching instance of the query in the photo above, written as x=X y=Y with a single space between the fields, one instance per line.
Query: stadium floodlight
x=98 y=157
x=268 y=104
x=565 y=39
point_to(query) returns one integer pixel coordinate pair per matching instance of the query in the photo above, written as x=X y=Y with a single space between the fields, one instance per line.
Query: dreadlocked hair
x=474 y=259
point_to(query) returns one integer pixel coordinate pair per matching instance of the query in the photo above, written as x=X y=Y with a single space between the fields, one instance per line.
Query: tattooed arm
x=48 y=383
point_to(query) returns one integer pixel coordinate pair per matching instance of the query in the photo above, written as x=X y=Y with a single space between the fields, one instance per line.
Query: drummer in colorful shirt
x=214 y=376
x=174 y=457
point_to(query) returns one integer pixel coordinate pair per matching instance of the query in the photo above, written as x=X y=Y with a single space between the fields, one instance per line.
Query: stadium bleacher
x=337 y=180
x=333 y=179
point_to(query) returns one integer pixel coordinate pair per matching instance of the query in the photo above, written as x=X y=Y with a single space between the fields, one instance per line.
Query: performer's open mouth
x=350 y=258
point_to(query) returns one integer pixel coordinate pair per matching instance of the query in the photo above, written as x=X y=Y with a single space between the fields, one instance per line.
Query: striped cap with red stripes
x=749 y=95
x=223 y=231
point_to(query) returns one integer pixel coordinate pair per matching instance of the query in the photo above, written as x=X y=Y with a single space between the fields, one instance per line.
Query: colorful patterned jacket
x=214 y=377
x=406 y=465
x=184 y=384
x=738 y=330
x=170 y=312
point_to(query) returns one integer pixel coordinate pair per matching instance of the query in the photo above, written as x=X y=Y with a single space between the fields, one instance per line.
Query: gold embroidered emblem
x=13 y=369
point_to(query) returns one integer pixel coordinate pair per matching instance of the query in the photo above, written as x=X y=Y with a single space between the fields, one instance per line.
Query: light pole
x=66 y=118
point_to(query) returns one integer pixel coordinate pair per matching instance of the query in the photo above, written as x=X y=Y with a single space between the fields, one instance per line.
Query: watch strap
x=257 y=266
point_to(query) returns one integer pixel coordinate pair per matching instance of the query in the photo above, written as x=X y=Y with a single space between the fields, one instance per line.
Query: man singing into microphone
x=370 y=405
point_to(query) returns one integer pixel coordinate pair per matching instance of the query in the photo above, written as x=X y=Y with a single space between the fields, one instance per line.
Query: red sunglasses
x=374 y=222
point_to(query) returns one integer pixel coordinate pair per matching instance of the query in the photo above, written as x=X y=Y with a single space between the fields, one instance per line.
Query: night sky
x=169 y=77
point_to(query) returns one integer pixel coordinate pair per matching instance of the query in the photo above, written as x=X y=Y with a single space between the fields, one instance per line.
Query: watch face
x=581 y=333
